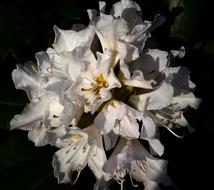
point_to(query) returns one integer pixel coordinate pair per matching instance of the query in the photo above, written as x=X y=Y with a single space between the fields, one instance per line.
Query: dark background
x=26 y=28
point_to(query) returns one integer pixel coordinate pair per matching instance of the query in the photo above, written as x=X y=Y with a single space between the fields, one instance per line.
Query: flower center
x=100 y=83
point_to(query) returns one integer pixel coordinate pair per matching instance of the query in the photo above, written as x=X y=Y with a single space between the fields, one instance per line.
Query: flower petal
x=137 y=80
x=38 y=135
x=33 y=112
x=110 y=140
x=27 y=81
x=107 y=118
x=157 y=171
x=68 y=40
x=156 y=146
x=128 y=127
x=109 y=30
x=125 y=152
x=96 y=161
x=71 y=158
x=154 y=100
x=179 y=78
x=184 y=100
x=151 y=61
x=148 y=127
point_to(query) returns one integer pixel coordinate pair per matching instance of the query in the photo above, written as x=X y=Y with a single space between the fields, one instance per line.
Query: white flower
x=124 y=121
x=79 y=148
x=123 y=30
x=157 y=99
x=147 y=69
x=96 y=89
x=42 y=119
x=93 y=86
x=171 y=94
x=130 y=157
x=41 y=116
x=120 y=118
x=69 y=40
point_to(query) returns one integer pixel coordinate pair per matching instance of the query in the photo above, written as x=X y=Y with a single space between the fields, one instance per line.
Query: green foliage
x=187 y=19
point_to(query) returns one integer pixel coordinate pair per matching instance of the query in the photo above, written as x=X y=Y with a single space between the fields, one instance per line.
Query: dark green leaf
x=186 y=23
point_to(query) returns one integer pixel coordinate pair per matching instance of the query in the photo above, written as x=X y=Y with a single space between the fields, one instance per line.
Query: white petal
x=151 y=185
x=68 y=40
x=102 y=6
x=101 y=185
x=25 y=80
x=109 y=30
x=148 y=128
x=153 y=60
x=54 y=134
x=180 y=120
x=72 y=158
x=38 y=136
x=113 y=81
x=128 y=128
x=129 y=11
x=179 y=78
x=155 y=100
x=110 y=140
x=106 y=119
x=120 y=7
x=33 y=112
x=150 y=171
x=127 y=52
x=125 y=152
x=44 y=62
x=157 y=171
x=184 y=100
x=72 y=64
x=42 y=135
x=148 y=132
x=96 y=161
x=137 y=80
x=92 y=14
x=156 y=146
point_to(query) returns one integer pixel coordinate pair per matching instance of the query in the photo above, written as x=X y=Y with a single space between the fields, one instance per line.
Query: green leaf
x=186 y=23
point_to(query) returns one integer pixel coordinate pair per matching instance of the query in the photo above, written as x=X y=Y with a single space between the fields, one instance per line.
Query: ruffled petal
x=96 y=161
x=125 y=152
x=152 y=61
x=33 y=112
x=106 y=119
x=182 y=101
x=120 y=118
x=38 y=136
x=156 y=146
x=27 y=81
x=72 y=157
x=157 y=171
x=110 y=140
x=137 y=80
x=68 y=40
x=179 y=77
x=157 y=99
x=128 y=127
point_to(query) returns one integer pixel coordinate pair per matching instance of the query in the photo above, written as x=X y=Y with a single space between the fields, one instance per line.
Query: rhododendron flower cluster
x=100 y=88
